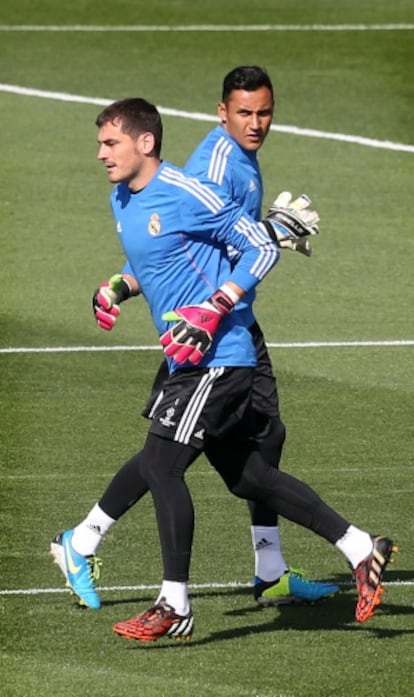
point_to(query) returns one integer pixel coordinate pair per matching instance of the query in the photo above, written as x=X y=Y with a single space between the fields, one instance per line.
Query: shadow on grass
x=343 y=580
x=334 y=614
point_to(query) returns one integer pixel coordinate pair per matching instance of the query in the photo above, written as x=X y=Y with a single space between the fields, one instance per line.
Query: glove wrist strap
x=270 y=228
x=224 y=299
x=124 y=291
x=121 y=287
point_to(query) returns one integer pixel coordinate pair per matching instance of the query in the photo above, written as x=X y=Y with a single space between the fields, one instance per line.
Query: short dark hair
x=136 y=116
x=246 y=77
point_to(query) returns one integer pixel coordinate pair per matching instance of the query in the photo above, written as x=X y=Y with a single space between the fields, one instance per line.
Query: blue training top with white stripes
x=221 y=159
x=175 y=233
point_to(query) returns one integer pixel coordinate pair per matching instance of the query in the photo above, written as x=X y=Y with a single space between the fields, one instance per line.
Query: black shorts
x=265 y=400
x=200 y=403
x=264 y=396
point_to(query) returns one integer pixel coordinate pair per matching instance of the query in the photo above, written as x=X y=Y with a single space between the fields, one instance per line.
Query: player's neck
x=144 y=176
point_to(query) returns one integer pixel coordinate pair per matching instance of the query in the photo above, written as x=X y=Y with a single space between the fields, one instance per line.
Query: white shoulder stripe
x=203 y=193
x=219 y=159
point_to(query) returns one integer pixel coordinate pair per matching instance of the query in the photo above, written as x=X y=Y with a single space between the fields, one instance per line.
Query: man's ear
x=146 y=143
x=222 y=112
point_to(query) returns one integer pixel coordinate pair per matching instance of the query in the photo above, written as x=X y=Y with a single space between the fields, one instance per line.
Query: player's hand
x=193 y=335
x=289 y=223
x=106 y=300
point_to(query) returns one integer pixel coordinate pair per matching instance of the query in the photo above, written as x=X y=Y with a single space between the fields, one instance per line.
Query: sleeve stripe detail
x=176 y=178
x=269 y=253
x=266 y=260
x=218 y=161
x=232 y=253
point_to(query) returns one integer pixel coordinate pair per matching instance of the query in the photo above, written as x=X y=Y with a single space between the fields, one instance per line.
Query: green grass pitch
x=70 y=418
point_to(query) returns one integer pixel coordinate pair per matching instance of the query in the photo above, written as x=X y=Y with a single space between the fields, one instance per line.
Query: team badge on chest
x=154 y=225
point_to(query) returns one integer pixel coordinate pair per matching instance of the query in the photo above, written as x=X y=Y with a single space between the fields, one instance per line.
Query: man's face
x=247 y=116
x=121 y=154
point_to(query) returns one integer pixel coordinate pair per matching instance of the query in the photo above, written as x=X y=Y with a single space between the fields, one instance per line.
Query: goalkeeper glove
x=289 y=222
x=106 y=300
x=192 y=336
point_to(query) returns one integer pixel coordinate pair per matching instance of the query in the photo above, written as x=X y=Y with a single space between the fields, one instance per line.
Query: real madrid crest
x=154 y=225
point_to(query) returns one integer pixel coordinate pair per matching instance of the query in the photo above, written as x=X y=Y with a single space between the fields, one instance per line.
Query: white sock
x=356 y=545
x=175 y=593
x=88 y=535
x=269 y=563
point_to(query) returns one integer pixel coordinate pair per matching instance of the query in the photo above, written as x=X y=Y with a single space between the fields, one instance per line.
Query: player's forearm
x=254 y=264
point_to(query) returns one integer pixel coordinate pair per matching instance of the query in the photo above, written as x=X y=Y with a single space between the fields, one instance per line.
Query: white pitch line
x=147 y=587
x=197 y=116
x=139 y=587
x=281 y=345
x=204 y=27
x=76 y=349
x=330 y=344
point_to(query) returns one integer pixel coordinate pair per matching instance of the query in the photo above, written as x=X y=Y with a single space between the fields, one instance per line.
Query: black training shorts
x=265 y=400
x=196 y=403
x=264 y=396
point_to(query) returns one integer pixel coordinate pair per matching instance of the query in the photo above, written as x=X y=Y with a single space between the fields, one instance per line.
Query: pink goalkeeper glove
x=193 y=335
x=106 y=299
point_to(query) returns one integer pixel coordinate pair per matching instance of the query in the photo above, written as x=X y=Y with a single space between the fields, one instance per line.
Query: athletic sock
x=88 y=535
x=355 y=544
x=269 y=562
x=175 y=593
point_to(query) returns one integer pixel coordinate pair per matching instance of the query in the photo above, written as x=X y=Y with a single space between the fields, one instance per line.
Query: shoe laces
x=159 y=613
x=156 y=614
x=162 y=609
x=298 y=572
x=94 y=566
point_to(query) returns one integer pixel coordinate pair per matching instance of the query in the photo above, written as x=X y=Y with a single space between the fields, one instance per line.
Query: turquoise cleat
x=80 y=572
x=292 y=589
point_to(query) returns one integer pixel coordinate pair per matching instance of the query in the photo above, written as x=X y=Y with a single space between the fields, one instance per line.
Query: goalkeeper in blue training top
x=227 y=156
x=175 y=232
